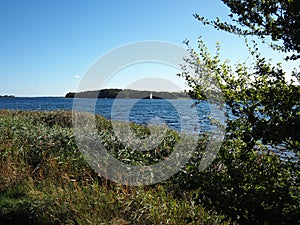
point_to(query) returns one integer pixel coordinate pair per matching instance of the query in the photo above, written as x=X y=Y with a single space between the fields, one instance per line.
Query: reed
x=44 y=179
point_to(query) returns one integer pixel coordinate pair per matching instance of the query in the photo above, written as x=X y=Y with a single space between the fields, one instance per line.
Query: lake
x=176 y=114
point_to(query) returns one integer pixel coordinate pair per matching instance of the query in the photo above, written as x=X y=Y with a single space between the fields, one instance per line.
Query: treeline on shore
x=7 y=96
x=127 y=93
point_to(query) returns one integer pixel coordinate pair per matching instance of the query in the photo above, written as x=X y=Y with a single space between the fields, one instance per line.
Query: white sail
x=150 y=95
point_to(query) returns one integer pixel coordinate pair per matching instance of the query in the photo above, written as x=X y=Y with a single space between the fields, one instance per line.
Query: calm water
x=177 y=114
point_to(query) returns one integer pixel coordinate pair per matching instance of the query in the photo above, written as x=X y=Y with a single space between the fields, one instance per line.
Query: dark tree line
x=133 y=94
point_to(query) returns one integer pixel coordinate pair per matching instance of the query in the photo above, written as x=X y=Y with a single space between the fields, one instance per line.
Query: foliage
x=277 y=19
x=257 y=96
x=255 y=179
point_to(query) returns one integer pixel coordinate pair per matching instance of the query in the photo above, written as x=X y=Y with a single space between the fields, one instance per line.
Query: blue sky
x=47 y=46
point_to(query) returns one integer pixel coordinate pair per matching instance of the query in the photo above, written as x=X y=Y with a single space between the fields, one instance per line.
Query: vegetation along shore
x=45 y=180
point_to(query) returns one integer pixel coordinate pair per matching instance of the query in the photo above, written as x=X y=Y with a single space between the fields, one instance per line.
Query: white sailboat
x=150 y=96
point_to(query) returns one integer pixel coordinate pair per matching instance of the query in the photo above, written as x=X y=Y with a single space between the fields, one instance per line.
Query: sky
x=46 y=47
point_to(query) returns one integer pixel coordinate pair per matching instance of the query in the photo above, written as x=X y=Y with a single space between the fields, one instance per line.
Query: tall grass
x=44 y=179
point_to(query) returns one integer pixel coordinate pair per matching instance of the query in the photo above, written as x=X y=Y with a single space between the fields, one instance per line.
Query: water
x=176 y=114
x=40 y=103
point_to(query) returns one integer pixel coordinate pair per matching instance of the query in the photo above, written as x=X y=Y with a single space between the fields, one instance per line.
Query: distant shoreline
x=7 y=96
x=127 y=94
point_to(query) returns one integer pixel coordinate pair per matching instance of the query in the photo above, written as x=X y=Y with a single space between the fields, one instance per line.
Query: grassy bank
x=44 y=179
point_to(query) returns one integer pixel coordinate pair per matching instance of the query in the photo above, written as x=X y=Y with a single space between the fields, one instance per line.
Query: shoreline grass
x=44 y=179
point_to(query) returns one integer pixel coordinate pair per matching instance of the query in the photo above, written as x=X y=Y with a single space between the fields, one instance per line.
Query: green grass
x=44 y=179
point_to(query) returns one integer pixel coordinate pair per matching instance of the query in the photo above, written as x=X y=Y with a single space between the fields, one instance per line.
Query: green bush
x=255 y=178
